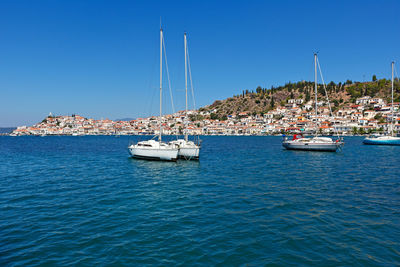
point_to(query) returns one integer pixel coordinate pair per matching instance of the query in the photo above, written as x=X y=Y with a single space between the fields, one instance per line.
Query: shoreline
x=118 y=135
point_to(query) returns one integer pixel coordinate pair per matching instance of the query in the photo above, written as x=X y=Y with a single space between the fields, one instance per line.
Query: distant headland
x=6 y=130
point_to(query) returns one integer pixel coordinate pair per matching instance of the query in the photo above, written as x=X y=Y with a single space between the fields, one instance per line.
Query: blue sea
x=247 y=202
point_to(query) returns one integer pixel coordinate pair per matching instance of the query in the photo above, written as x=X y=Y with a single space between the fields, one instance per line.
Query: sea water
x=84 y=201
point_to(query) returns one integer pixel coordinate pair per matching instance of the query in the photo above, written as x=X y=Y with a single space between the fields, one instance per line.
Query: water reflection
x=166 y=168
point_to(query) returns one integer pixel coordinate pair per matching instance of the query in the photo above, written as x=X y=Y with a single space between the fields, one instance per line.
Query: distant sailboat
x=316 y=143
x=388 y=139
x=152 y=149
x=188 y=150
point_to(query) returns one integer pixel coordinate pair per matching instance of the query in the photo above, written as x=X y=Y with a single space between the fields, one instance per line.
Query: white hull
x=329 y=147
x=189 y=153
x=154 y=154
x=382 y=140
x=187 y=149
x=313 y=144
x=152 y=150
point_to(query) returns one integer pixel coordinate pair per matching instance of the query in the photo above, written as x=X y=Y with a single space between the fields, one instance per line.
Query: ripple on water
x=83 y=201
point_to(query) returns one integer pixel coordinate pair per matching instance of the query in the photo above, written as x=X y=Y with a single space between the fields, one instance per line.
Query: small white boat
x=154 y=150
x=316 y=143
x=151 y=149
x=188 y=150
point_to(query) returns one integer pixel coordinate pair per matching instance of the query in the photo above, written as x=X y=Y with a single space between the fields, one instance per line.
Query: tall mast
x=161 y=42
x=186 y=93
x=392 y=97
x=316 y=92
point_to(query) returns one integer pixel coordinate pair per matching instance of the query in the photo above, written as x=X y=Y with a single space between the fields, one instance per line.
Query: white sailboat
x=152 y=149
x=316 y=143
x=389 y=139
x=188 y=150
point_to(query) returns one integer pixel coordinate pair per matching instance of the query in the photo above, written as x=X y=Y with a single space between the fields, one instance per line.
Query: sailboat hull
x=189 y=153
x=394 y=141
x=323 y=147
x=187 y=149
x=154 y=154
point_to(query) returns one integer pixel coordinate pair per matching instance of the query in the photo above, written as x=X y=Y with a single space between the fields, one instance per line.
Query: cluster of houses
x=365 y=116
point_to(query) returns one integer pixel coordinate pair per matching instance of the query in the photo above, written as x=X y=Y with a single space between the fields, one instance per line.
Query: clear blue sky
x=99 y=59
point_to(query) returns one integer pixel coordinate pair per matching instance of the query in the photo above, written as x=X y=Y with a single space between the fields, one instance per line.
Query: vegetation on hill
x=262 y=100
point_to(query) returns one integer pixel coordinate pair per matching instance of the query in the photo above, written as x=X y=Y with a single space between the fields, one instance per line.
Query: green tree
x=308 y=97
x=378 y=116
x=374 y=78
x=336 y=102
x=213 y=116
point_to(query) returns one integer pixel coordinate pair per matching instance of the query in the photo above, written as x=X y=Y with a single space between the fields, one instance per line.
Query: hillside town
x=366 y=115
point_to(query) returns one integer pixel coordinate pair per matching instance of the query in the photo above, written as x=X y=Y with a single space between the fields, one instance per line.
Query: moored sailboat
x=389 y=139
x=152 y=149
x=316 y=143
x=188 y=150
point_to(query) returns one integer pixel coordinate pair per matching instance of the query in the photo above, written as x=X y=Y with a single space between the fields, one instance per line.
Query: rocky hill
x=262 y=100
